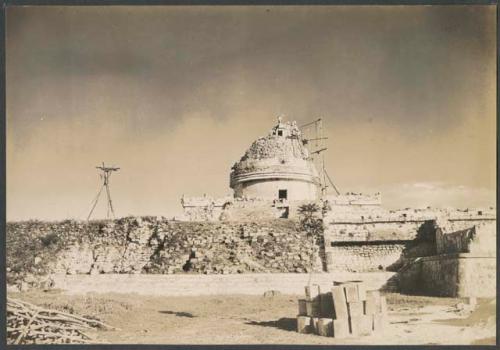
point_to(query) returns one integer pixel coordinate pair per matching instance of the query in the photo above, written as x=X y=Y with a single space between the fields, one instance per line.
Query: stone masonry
x=157 y=245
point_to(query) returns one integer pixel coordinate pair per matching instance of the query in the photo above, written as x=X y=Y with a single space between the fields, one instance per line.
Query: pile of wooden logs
x=30 y=324
x=347 y=310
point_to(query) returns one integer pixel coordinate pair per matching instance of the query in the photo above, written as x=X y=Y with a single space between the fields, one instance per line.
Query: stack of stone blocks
x=347 y=310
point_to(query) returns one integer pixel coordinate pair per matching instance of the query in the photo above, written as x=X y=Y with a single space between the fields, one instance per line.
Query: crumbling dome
x=277 y=166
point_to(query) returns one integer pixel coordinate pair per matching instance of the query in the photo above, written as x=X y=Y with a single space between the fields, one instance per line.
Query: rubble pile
x=156 y=245
x=348 y=309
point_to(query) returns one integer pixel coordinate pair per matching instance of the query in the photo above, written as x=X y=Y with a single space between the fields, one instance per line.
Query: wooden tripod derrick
x=105 y=174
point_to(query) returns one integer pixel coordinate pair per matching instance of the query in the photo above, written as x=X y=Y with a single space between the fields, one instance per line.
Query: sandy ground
x=196 y=284
x=251 y=319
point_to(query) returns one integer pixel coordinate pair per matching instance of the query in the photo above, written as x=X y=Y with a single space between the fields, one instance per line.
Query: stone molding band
x=256 y=176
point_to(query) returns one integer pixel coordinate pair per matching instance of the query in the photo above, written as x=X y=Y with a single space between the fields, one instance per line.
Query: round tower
x=277 y=166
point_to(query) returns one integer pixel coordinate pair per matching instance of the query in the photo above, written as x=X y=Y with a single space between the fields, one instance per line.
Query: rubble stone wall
x=203 y=213
x=157 y=245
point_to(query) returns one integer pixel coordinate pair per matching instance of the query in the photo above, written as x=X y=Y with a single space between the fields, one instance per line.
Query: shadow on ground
x=177 y=313
x=285 y=323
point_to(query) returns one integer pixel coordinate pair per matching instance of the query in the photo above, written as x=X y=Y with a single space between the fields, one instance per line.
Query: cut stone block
x=375 y=294
x=377 y=322
x=351 y=292
x=383 y=306
x=304 y=324
x=312 y=292
x=361 y=291
x=355 y=308
x=302 y=307
x=339 y=303
x=365 y=325
x=360 y=325
x=325 y=327
x=308 y=292
x=314 y=325
x=355 y=326
x=340 y=328
x=370 y=307
x=313 y=308
x=309 y=308
x=384 y=319
x=355 y=290
x=327 y=305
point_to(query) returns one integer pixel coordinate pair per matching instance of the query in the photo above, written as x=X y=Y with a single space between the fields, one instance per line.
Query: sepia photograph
x=243 y=174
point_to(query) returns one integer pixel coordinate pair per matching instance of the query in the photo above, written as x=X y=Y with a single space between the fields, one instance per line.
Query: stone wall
x=251 y=210
x=450 y=275
x=479 y=239
x=463 y=264
x=241 y=245
x=363 y=257
x=239 y=209
x=371 y=230
x=368 y=244
x=157 y=245
x=350 y=200
x=368 y=237
x=204 y=208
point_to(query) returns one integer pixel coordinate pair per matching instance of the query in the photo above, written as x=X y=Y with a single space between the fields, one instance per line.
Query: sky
x=174 y=95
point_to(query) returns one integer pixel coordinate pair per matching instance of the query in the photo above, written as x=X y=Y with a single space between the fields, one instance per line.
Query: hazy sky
x=175 y=95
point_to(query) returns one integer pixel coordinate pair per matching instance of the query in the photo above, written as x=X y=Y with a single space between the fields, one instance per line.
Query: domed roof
x=275 y=146
x=280 y=152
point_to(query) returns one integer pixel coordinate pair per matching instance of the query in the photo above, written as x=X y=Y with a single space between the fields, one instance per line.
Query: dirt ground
x=245 y=319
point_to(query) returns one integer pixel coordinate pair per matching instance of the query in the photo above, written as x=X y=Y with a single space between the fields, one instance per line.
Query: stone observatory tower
x=277 y=166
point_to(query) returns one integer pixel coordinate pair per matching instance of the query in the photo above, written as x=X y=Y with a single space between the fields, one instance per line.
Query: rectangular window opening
x=282 y=194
